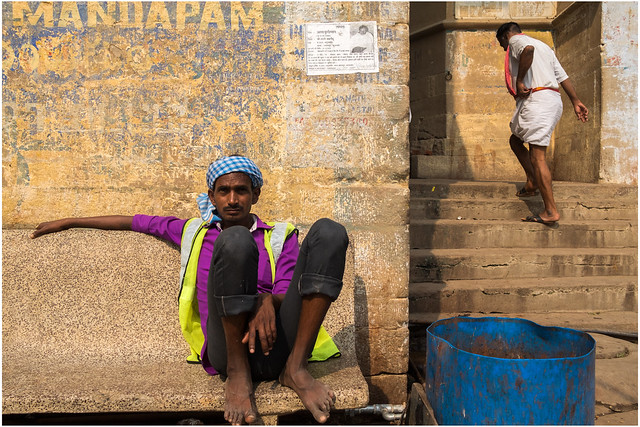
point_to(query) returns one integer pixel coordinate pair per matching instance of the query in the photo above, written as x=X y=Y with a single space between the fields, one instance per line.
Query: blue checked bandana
x=221 y=167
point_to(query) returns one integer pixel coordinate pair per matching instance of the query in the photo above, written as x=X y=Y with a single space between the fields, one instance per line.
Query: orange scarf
x=507 y=72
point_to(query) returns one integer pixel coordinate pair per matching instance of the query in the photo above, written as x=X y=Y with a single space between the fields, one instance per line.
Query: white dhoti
x=536 y=116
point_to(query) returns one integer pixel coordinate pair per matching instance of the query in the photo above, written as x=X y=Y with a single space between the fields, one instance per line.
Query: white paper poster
x=341 y=48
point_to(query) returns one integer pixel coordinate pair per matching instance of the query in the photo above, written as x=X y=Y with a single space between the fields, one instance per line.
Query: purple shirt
x=170 y=229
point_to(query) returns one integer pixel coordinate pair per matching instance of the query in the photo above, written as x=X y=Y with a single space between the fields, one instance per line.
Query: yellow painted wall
x=119 y=107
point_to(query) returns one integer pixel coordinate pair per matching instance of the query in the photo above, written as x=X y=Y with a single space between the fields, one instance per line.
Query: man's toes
x=233 y=419
x=321 y=417
x=326 y=405
x=239 y=419
x=329 y=401
x=250 y=417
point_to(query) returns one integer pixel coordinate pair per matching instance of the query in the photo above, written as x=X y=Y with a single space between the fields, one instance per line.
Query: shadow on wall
x=433 y=154
x=361 y=319
x=577 y=34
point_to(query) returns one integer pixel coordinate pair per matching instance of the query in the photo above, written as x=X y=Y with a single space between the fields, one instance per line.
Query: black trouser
x=232 y=289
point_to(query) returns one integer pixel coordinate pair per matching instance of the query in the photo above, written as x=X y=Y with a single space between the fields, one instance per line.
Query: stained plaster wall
x=577 y=35
x=619 y=137
x=118 y=107
x=599 y=46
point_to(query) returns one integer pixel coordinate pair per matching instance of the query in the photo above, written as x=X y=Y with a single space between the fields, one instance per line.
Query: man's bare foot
x=550 y=217
x=523 y=192
x=315 y=396
x=239 y=403
x=543 y=218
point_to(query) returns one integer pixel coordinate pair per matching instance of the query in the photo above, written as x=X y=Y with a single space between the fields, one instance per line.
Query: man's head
x=234 y=186
x=505 y=32
x=363 y=29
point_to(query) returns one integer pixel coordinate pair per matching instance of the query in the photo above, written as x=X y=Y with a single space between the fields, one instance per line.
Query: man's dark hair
x=509 y=26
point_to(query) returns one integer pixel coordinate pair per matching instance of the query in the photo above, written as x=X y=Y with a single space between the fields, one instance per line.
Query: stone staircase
x=471 y=254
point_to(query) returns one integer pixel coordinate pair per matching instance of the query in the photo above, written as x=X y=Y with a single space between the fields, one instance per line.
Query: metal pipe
x=388 y=411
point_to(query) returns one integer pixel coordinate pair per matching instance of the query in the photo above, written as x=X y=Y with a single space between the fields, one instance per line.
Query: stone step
x=515 y=208
x=613 y=322
x=457 y=234
x=451 y=264
x=613 y=293
x=505 y=190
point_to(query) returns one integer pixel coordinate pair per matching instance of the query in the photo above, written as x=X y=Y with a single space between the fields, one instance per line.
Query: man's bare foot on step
x=239 y=404
x=315 y=396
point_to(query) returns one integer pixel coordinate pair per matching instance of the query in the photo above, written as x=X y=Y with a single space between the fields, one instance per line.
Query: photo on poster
x=341 y=48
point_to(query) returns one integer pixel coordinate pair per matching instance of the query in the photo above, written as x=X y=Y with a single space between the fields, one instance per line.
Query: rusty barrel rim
x=590 y=343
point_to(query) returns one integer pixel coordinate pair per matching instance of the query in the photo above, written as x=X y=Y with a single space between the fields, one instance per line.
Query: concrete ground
x=616 y=381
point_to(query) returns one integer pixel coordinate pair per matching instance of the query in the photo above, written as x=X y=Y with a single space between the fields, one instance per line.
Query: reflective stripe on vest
x=188 y=312
x=191 y=243
x=274 y=241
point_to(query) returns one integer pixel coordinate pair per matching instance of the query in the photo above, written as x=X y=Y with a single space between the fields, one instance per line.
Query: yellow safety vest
x=191 y=244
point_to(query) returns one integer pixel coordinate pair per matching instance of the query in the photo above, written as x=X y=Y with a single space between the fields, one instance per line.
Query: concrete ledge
x=518 y=263
x=454 y=234
x=625 y=322
x=505 y=190
x=521 y=295
x=506 y=208
x=90 y=324
x=152 y=386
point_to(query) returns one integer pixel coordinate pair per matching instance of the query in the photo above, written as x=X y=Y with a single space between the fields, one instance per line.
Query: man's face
x=363 y=30
x=504 y=40
x=233 y=196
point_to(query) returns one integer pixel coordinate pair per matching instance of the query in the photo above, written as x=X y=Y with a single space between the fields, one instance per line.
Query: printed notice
x=341 y=48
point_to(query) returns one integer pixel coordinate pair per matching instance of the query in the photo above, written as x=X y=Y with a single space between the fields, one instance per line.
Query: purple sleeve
x=286 y=264
x=166 y=227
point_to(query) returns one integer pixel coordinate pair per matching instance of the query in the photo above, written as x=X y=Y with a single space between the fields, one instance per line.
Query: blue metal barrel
x=493 y=370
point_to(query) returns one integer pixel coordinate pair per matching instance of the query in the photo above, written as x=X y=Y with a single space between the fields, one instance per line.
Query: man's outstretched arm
x=581 y=111
x=110 y=222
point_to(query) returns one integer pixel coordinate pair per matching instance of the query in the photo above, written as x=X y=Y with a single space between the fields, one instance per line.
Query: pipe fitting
x=388 y=411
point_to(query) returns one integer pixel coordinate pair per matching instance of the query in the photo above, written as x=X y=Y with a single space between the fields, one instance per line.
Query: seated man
x=249 y=323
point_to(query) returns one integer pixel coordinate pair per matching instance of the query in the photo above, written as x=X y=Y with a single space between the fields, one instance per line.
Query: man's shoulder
x=524 y=39
x=275 y=224
x=520 y=41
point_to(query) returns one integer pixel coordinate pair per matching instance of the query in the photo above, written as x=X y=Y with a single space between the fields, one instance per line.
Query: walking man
x=533 y=75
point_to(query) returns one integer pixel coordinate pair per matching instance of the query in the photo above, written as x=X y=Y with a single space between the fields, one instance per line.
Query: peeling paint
x=119 y=107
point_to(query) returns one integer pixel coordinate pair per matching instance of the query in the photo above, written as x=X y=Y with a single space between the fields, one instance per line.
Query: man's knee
x=329 y=234
x=537 y=154
x=237 y=242
x=331 y=240
x=312 y=284
x=236 y=254
x=515 y=142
